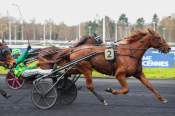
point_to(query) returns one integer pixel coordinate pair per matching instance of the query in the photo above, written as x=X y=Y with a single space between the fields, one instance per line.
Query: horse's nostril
x=169 y=49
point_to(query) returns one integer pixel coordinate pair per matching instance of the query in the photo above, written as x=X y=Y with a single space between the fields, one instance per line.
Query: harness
x=116 y=54
x=132 y=52
x=132 y=56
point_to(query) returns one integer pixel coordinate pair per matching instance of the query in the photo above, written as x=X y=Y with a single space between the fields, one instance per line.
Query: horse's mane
x=81 y=41
x=137 y=35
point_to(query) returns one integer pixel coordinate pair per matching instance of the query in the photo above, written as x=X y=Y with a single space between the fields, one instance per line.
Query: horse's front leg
x=146 y=82
x=120 y=76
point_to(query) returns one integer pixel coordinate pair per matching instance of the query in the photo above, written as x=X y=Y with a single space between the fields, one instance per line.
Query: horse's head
x=6 y=58
x=94 y=39
x=158 y=42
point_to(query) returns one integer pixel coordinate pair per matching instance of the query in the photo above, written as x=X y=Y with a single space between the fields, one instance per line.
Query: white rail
x=41 y=43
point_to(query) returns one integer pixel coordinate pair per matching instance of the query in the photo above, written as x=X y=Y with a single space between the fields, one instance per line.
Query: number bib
x=109 y=54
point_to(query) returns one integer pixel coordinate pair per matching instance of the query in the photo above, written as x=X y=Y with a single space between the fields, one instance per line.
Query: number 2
x=109 y=54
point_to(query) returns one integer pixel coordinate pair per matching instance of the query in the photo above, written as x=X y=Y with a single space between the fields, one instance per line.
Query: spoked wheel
x=41 y=98
x=14 y=82
x=67 y=92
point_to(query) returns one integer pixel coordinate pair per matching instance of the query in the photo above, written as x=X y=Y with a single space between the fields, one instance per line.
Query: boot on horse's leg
x=123 y=83
x=89 y=83
x=90 y=87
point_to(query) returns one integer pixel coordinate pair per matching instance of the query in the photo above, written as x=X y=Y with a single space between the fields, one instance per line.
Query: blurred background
x=62 y=23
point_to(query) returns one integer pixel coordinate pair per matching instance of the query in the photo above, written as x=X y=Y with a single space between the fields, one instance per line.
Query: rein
x=73 y=51
x=116 y=52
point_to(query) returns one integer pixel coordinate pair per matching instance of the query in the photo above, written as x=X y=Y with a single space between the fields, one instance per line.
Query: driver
x=24 y=68
x=20 y=64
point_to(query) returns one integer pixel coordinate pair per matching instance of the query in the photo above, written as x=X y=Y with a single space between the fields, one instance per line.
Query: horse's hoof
x=105 y=103
x=164 y=101
x=109 y=90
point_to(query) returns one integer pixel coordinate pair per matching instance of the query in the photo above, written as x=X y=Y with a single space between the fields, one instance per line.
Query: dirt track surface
x=138 y=102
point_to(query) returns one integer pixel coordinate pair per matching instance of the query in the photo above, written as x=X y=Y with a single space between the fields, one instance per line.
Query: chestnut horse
x=127 y=61
x=50 y=55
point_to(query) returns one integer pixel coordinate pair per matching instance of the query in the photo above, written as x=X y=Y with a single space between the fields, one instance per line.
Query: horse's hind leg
x=122 y=80
x=89 y=83
x=146 y=82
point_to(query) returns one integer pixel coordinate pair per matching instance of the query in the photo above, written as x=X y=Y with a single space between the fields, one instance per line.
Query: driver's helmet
x=16 y=53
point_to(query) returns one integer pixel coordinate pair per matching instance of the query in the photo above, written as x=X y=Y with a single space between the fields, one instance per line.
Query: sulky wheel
x=67 y=92
x=14 y=82
x=41 y=98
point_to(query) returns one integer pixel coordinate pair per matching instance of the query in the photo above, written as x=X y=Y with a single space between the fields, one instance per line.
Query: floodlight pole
x=104 y=29
x=116 y=27
x=79 y=31
x=9 y=24
x=50 y=30
x=44 y=33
